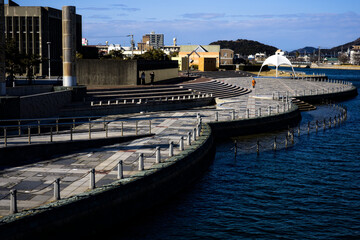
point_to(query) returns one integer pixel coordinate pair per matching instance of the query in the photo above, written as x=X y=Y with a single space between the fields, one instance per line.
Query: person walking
x=152 y=77
x=253 y=82
x=142 y=78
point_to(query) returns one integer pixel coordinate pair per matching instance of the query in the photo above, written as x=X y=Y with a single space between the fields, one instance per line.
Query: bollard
x=278 y=109
x=29 y=135
x=324 y=124
x=259 y=111
x=57 y=189
x=198 y=130
x=117 y=102
x=275 y=144
x=189 y=139
x=269 y=110
x=171 y=149
x=308 y=129
x=233 y=115
x=5 y=138
x=38 y=126
x=136 y=127
x=51 y=134
x=330 y=122
x=181 y=143
x=157 y=155
x=257 y=147
x=89 y=129
x=13 y=201
x=71 y=133
x=122 y=128
x=286 y=142
x=194 y=134
x=299 y=131
x=216 y=116
x=292 y=137
x=149 y=126
x=107 y=130
x=247 y=113
x=19 y=128
x=92 y=178
x=120 y=172
x=316 y=126
x=141 y=162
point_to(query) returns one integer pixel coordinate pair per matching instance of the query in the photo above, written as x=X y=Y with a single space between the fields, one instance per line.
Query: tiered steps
x=303 y=106
x=217 y=89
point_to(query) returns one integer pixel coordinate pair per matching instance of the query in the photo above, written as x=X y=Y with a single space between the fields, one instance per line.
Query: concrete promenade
x=34 y=182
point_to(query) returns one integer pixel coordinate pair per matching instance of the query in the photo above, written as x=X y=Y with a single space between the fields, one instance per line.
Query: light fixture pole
x=48 y=43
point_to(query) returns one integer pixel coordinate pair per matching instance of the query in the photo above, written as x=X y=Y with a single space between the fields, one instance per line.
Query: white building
x=355 y=55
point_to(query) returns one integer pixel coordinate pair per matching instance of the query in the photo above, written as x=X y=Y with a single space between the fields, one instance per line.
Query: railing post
x=89 y=129
x=149 y=126
x=122 y=129
x=257 y=147
x=107 y=130
x=278 y=109
x=57 y=125
x=57 y=189
x=189 y=139
x=73 y=122
x=5 y=138
x=247 y=113
x=299 y=130
x=198 y=129
x=233 y=115
x=38 y=127
x=13 y=201
x=194 y=134
x=71 y=133
x=29 y=135
x=157 y=155
x=19 y=127
x=269 y=110
x=259 y=112
x=308 y=128
x=51 y=134
x=141 y=162
x=286 y=142
x=120 y=172
x=92 y=178
x=136 y=127
x=216 y=116
x=181 y=143
x=171 y=149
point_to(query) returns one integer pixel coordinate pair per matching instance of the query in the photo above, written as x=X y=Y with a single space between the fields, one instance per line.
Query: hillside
x=335 y=50
x=245 y=47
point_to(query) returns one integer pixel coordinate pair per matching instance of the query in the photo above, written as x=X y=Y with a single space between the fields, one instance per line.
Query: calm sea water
x=308 y=191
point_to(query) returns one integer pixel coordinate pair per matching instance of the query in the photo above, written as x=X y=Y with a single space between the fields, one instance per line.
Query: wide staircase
x=303 y=106
x=217 y=89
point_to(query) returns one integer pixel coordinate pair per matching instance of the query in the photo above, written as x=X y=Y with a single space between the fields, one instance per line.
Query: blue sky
x=284 y=24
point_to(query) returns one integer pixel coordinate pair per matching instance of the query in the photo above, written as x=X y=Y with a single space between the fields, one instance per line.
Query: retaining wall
x=336 y=96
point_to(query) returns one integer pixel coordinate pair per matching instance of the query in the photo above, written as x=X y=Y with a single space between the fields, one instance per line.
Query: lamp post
x=48 y=43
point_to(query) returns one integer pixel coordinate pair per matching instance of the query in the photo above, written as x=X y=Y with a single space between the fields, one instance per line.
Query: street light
x=48 y=43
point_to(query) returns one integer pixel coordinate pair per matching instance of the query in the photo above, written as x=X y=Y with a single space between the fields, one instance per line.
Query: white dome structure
x=277 y=60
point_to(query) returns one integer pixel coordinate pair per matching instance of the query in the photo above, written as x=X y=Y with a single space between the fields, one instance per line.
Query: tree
x=13 y=59
x=154 y=54
x=343 y=58
x=29 y=61
x=114 y=54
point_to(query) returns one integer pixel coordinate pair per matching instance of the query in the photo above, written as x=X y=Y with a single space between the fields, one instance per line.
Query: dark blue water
x=308 y=191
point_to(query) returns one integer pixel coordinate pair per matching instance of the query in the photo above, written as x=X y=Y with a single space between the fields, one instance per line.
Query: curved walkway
x=34 y=181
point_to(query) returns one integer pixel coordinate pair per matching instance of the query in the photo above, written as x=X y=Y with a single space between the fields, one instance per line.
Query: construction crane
x=132 y=44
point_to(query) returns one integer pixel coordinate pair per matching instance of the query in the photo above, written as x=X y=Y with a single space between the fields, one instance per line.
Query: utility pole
x=132 y=44
x=319 y=56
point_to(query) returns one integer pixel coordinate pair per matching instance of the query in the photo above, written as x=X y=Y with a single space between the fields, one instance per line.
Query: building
x=226 y=56
x=195 y=52
x=35 y=30
x=150 y=41
x=355 y=55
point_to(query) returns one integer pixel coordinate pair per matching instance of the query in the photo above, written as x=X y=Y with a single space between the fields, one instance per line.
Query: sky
x=288 y=25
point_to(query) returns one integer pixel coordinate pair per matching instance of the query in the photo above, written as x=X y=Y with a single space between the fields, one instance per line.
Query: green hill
x=245 y=47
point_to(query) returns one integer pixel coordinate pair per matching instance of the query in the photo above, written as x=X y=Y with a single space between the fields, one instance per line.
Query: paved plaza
x=34 y=182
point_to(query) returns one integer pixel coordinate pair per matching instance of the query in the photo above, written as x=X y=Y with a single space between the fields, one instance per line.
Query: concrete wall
x=117 y=72
x=106 y=72
x=43 y=105
x=28 y=90
x=160 y=74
